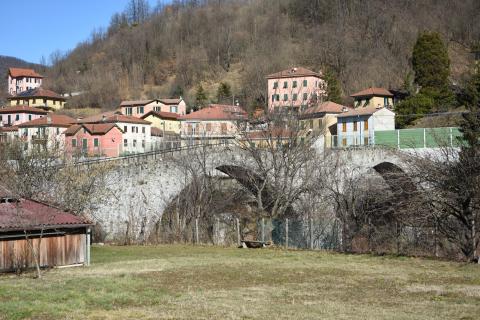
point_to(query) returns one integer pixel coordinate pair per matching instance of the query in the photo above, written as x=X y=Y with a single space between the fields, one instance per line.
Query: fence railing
x=401 y=138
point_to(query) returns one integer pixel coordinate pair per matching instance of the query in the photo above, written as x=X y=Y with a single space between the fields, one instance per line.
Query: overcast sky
x=30 y=29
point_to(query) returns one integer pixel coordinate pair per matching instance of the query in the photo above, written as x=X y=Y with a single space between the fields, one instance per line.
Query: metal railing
x=401 y=138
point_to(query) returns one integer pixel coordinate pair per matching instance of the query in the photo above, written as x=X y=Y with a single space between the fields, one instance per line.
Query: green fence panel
x=411 y=138
x=437 y=137
x=386 y=138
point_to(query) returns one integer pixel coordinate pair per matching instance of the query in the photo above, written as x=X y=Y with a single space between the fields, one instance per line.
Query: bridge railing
x=401 y=139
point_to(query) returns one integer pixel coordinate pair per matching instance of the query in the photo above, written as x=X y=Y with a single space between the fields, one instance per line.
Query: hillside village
x=140 y=126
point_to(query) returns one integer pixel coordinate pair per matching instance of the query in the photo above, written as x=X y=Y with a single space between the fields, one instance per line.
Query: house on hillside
x=94 y=139
x=216 y=122
x=63 y=237
x=46 y=132
x=322 y=119
x=15 y=115
x=165 y=121
x=373 y=97
x=295 y=89
x=357 y=126
x=20 y=80
x=39 y=98
x=139 y=108
x=136 y=132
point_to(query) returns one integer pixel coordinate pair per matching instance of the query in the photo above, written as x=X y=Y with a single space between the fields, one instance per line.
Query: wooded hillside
x=177 y=47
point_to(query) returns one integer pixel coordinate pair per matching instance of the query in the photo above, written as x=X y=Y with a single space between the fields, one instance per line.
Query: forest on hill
x=173 y=49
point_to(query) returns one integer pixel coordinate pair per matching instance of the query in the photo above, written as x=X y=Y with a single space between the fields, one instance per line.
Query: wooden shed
x=60 y=238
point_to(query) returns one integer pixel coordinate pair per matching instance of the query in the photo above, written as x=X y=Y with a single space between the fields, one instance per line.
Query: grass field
x=227 y=283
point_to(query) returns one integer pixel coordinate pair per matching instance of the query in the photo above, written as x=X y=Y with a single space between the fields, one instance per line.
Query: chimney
x=104 y=118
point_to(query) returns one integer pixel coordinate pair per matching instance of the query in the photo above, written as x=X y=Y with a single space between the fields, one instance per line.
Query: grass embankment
x=218 y=283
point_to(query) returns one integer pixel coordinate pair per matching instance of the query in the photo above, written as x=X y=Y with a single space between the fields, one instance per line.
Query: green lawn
x=226 y=283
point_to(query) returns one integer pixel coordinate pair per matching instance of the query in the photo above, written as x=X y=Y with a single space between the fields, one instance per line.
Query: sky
x=31 y=29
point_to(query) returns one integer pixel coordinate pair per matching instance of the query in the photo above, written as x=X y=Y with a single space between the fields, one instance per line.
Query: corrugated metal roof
x=32 y=215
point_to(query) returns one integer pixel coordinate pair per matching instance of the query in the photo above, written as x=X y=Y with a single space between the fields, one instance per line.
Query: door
x=84 y=146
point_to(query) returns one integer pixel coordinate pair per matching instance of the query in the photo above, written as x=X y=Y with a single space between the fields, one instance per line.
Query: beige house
x=39 y=98
x=322 y=119
x=165 y=121
x=294 y=89
x=373 y=97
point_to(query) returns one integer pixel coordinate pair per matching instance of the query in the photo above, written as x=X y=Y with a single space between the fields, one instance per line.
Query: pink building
x=15 y=115
x=94 y=139
x=295 y=89
x=20 y=80
x=138 y=108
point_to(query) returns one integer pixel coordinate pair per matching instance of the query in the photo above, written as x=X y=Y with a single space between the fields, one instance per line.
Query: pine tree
x=224 y=92
x=431 y=65
x=334 y=92
x=200 y=97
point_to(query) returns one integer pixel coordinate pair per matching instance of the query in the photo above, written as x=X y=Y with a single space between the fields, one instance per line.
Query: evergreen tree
x=432 y=68
x=224 y=92
x=177 y=91
x=412 y=108
x=200 y=97
x=334 y=92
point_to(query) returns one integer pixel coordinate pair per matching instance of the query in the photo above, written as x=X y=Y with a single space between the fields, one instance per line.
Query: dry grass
x=183 y=282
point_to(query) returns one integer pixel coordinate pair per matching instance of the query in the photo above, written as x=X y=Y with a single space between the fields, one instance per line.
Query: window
x=294 y=85
x=125 y=142
x=1 y=118
x=143 y=143
x=311 y=124
x=54 y=102
x=209 y=127
x=365 y=125
x=44 y=101
x=34 y=101
x=58 y=131
x=134 y=143
x=275 y=85
x=344 y=142
x=29 y=117
x=285 y=85
x=17 y=117
x=74 y=142
x=344 y=127
x=294 y=97
x=355 y=126
x=224 y=128
x=141 y=109
x=143 y=129
x=125 y=129
x=278 y=97
x=285 y=97
x=305 y=83
x=305 y=96
x=156 y=109
x=84 y=144
x=173 y=109
x=95 y=142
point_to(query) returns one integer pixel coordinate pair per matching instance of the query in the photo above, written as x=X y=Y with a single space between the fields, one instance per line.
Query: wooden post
x=197 y=240
x=239 y=241
x=263 y=229
x=286 y=233
x=87 y=244
x=311 y=233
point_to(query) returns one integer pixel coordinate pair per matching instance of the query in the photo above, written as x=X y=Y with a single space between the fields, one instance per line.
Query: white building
x=357 y=126
x=20 y=80
x=138 y=108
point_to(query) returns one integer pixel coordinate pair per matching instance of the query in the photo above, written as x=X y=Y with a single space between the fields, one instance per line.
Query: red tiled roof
x=156 y=132
x=162 y=115
x=170 y=101
x=22 y=109
x=217 y=112
x=382 y=92
x=31 y=215
x=112 y=117
x=294 y=72
x=56 y=120
x=92 y=128
x=38 y=93
x=325 y=107
x=21 y=72
x=360 y=111
x=135 y=102
x=129 y=103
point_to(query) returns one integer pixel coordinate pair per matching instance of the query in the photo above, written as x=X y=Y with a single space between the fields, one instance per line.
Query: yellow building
x=322 y=119
x=39 y=98
x=373 y=97
x=165 y=121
